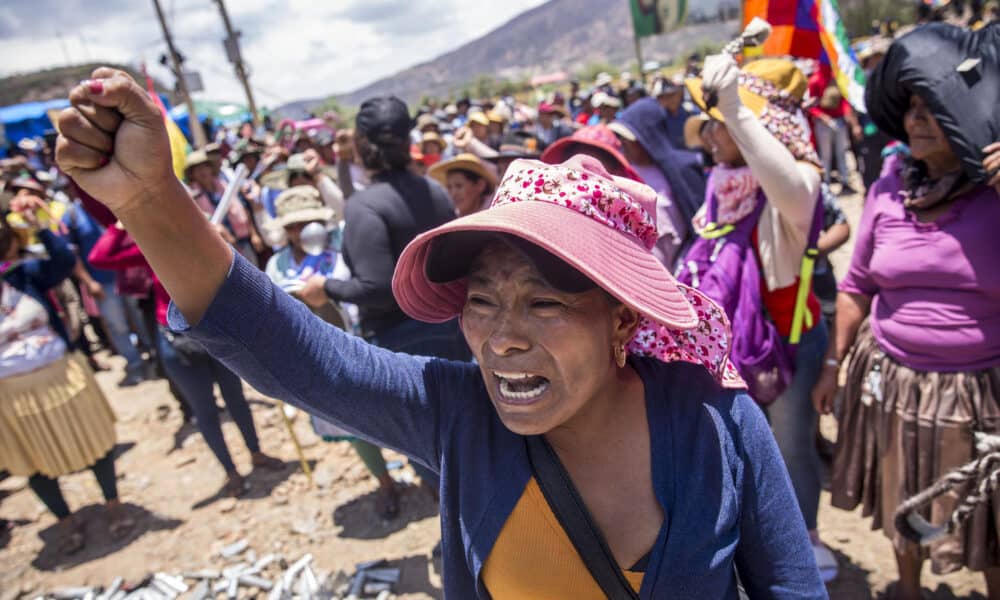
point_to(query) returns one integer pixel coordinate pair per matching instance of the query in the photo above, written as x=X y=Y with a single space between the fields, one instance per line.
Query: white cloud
x=295 y=48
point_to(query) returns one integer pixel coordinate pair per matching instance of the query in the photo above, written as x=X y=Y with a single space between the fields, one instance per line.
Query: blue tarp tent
x=30 y=119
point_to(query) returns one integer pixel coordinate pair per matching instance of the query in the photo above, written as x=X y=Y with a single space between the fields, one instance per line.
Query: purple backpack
x=723 y=264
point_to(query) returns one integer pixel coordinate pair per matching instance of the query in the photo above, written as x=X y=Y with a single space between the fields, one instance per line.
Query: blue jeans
x=113 y=311
x=793 y=421
x=195 y=374
x=442 y=340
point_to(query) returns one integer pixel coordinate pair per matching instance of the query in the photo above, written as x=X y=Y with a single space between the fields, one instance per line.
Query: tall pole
x=196 y=130
x=638 y=55
x=233 y=51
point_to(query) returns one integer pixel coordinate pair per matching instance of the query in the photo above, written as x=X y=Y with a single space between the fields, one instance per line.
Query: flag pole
x=638 y=55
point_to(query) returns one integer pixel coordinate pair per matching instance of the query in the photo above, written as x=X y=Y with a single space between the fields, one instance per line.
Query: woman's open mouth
x=520 y=388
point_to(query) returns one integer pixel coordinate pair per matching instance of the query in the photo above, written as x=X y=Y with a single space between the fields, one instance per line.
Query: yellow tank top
x=533 y=558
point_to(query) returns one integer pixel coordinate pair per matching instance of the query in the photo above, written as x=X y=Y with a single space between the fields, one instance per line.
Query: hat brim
x=305 y=216
x=511 y=154
x=439 y=172
x=558 y=152
x=754 y=102
x=692 y=130
x=614 y=262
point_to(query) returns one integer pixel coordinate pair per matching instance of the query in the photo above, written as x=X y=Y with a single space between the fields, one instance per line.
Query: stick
x=755 y=34
x=227 y=197
x=298 y=446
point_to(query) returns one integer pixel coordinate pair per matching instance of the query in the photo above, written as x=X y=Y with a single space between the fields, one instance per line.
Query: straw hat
x=26 y=183
x=301 y=204
x=464 y=162
x=784 y=82
x=479 y=117
x=692 y=130
x=195 y=158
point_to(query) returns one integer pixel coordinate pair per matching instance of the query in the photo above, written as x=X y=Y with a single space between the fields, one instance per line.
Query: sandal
x=236 y=486
x=263 y=461
x=73 y=537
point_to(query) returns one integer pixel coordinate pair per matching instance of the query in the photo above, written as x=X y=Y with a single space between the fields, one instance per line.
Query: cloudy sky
x=295 y=48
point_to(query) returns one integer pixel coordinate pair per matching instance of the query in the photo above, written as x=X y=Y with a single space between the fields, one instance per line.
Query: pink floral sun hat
x=603 y=227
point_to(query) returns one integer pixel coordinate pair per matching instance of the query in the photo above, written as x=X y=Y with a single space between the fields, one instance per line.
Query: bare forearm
x=852 y=309
x=833 y=238
x=180 y=245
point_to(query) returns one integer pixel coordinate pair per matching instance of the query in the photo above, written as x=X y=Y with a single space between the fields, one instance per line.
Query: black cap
x=384 y=118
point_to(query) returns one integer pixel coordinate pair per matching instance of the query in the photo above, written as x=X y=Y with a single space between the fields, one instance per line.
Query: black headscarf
x=966 y=102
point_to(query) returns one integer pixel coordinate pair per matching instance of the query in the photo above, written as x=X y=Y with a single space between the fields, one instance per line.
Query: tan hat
x=195 y=158
x=464 y=162
x=301 y=204
x=692 y=130
x=495 y=116
x=426 y=120
x=603 y=99
x=296 y=162
x=479 y=117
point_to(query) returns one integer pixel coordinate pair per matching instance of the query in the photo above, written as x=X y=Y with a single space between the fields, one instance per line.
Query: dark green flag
x=650 y=17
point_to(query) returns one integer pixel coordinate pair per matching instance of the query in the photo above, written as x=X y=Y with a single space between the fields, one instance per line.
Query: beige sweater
x=792 y=189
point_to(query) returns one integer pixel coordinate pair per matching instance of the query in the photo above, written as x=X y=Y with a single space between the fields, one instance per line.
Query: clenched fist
x=113 y=142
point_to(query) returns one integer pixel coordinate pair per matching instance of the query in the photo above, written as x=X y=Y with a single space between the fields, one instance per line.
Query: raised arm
x=113 y=143
x=791 y=187
x=232 y=309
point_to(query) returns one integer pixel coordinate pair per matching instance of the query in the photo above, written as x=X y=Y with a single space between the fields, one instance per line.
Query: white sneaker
x=826 y=562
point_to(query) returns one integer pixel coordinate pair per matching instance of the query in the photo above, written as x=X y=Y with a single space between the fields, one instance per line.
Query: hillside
x=558 y=35
x=53 y=83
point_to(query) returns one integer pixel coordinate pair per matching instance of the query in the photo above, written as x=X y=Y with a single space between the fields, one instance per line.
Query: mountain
x=56 y=82
x=560 y=35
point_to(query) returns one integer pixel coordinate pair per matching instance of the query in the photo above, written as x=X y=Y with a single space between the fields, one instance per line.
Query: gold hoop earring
x=620 y=355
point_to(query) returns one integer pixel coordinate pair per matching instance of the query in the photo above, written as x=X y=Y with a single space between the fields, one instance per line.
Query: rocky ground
x=169 y=480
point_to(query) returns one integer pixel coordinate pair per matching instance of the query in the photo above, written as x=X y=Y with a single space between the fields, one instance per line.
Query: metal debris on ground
x=241 y=574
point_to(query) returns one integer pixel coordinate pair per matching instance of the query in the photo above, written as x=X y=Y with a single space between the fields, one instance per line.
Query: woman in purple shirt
x=918 y=318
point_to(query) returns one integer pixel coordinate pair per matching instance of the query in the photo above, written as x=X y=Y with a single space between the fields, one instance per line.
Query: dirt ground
x=169 y=480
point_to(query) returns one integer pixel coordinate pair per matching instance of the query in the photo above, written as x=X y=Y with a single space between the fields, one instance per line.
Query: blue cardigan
x=718 y=475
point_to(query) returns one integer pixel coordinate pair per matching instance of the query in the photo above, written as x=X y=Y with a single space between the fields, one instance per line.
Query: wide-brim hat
x=772 y=88
x=782 y=74
x=516 y=144
x=596 y=136
x=27 y=183
x=601 y=226
x=480 y=118
x=195 y=158
x=462 y=162
x=301 y=204
x=692 y=130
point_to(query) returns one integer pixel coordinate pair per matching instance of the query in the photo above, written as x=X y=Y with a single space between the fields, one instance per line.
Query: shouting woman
x=600 y=446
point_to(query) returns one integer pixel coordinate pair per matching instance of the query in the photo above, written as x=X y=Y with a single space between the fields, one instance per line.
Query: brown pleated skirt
x=54 y=420
x=893 y=445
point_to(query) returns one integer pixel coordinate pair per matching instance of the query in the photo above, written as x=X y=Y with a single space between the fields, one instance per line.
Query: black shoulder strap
x=576 y=521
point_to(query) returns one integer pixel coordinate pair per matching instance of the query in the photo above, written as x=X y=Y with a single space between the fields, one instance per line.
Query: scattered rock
x=185 y=460
x=227 y=505
x=325 y=476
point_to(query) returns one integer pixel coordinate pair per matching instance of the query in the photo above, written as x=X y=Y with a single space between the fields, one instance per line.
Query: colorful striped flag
x=812 y=29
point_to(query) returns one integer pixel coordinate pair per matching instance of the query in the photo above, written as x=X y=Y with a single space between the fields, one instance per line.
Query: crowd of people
x=611 y=310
